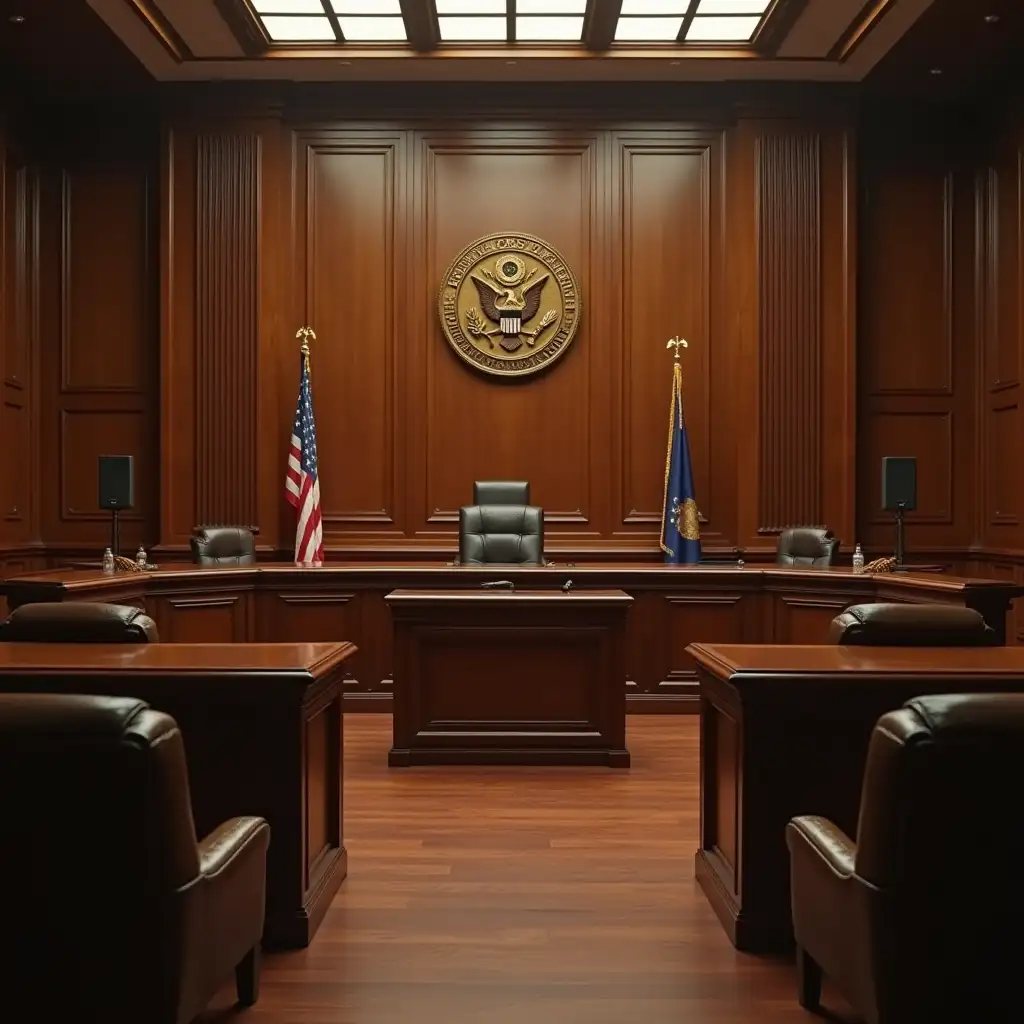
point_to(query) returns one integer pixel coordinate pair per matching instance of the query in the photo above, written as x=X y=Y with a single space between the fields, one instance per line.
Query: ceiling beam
x=420 y=24
x=599 y=23
x=777 y=24
x=687 y=21
x=332 y=17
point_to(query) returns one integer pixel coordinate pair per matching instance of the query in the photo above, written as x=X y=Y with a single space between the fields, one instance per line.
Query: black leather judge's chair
x=807 y=545
x=78 y=622
x=223 y=545
x=501 y=526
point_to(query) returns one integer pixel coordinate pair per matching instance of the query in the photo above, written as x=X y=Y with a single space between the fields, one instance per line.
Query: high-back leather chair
x=807 y=545
x=917 y=920
x=223 y=545
x=115 y=913
x=910 y=625
x=78 y=622
x=501 y=527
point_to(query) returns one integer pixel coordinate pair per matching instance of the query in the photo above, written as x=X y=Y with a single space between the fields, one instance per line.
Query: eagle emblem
x=509 y=304
x=510 y=297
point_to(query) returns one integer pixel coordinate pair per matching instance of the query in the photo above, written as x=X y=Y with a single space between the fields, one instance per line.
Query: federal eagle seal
x=509 y=304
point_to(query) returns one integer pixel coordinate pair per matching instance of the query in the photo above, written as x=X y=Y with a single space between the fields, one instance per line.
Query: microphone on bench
x=567 y=586
x=499 y=585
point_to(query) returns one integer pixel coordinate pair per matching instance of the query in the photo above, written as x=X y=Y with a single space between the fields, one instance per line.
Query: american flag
x=301 y=485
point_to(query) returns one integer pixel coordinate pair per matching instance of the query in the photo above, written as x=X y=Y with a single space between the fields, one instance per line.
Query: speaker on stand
x=899 y=495
x=117 y=492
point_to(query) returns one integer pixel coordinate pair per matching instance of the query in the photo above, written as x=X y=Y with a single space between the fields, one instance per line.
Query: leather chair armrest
x=230 y=840
x=825 y=840
x=832 y=906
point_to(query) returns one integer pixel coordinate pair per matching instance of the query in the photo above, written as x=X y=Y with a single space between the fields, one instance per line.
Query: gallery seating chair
x=918 y=919
x=910 y=625
x=807 y=545
x=501 y=526
x=114 y=913
x=78 y=622
x=223 y=545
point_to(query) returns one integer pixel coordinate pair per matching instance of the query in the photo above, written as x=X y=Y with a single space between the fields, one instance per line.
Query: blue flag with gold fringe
x=680 y=524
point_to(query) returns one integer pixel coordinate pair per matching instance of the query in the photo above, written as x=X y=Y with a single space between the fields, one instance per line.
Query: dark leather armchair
x=78 y=622
x=223 y=545
x=917 y=920
x=501 y=527
x=910 y=625
x=807 y=545
x=116 y=914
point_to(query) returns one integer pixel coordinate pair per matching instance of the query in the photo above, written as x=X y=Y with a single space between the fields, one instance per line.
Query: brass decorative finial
x=677 y=343
x=305 y=333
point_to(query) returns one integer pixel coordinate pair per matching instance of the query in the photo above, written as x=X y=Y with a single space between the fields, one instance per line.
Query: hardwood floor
x=523 y=896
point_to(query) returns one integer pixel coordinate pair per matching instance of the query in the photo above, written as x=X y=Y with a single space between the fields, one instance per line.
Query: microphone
x=499 y=585
x=566 y=586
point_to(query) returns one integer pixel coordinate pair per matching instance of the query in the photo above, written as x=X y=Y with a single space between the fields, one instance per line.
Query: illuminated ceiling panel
x=489 y=22
x=691 y=21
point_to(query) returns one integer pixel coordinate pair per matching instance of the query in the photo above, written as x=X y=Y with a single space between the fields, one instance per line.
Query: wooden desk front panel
x=264 y=741
x=672 y=608
x=785 y=732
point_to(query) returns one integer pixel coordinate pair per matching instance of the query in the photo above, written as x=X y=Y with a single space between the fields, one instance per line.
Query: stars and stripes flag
x=301 y=484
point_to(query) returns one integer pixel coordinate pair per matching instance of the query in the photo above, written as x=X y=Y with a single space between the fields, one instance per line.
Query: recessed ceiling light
x=991 y=19
x=936 y=71
x=17 y=19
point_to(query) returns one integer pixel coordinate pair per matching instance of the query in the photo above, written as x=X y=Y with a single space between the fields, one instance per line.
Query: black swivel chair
x=807 y=545
x=501 y=526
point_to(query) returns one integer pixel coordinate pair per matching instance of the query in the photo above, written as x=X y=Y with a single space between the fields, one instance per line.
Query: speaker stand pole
x=900 y=539
x=115 y=530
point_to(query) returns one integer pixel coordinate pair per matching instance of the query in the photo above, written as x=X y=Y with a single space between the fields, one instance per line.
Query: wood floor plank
x=523 y=896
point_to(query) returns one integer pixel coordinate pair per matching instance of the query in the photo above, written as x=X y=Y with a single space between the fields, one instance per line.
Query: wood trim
x=866 y=22
x=244 y=26
x=777 y=25
x=161 y=29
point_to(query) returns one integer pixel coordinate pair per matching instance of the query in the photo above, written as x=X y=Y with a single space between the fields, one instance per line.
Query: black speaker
x=899 y=484
x=117 y=482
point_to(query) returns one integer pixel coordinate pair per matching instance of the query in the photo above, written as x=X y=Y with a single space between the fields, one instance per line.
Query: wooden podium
x=530 y=677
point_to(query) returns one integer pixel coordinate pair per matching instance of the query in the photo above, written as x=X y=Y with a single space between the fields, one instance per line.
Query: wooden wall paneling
x=917 y=362
x=1003 y=299
x=97 y=343
x=665 y=246
x=20 y=463
x=223 y=296
x=355 y=289
x=553 y=428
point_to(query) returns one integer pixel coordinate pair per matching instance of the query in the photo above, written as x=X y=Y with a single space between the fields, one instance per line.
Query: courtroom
x=511 y=511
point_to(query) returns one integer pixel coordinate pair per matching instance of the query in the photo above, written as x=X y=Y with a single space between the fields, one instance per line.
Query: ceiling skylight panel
x=473 y=30
x=551 y=7
x=722 y=30
x=663 y=7
x=373 y=30
x=288 y=7
x=368 y=7
x=549 y=29
x=733 y=6
x=471 y=6
x=648 y=30
x=298 y=29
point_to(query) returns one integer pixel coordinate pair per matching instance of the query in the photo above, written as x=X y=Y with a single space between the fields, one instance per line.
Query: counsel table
x=784 y=732
x=509 y=677
x=263 y=731
x=673 y=606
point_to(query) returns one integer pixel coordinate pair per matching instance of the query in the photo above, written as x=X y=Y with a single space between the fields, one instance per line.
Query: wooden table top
x=505 y=595
x=272 y=573
x=734 y=662
x=311 y=660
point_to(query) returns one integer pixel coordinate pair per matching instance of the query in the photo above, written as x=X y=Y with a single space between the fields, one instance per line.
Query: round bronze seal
x=509 y=304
